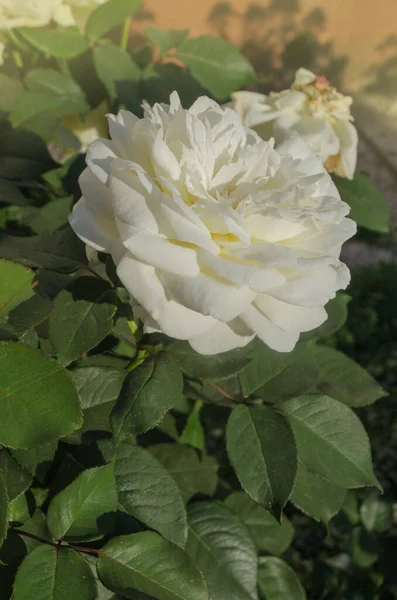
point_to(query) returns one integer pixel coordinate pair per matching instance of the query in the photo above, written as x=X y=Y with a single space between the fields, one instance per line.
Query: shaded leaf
x=376 y=513
x=223 y=550
x=216 y=64
x=149 y=493
x=192 y=475
x=115 y=68
x=315 y=496
x=23 y=155
x=98 y=389
x=260 y=446
x=368 y=206
x=363 y=547
x=85 y=510
x=38 y=400
x=16 y=478
x=61 y=43
x=193 y=433
x=268 y=367
x=49 y=573
x=267 y=533
x=331 y=440
x=147 y=563
x=166 y=39
x=108 y=15
x=345 y=380
x=277 y=581
x=16 y=285
x=3 y=509
x=82 y=317
x=148 y=392
x=60 y=251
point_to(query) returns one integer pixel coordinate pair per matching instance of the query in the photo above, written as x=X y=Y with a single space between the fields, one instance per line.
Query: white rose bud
x=27 y=13
x=76 y=12
x=311 y=109
x=217 y=235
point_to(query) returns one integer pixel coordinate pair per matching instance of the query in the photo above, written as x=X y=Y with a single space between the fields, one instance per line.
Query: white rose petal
x=217 y=235
x=311 y=109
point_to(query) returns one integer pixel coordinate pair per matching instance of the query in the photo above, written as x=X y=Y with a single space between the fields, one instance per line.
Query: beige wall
x=355 y=27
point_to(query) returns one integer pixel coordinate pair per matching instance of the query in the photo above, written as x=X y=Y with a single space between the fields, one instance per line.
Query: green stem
x=125 y=33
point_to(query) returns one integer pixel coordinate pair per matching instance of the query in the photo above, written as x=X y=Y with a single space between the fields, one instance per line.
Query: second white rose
x=312 y=109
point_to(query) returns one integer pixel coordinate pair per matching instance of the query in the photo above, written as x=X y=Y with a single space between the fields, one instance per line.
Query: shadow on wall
x=383 y=74
x=278 y=39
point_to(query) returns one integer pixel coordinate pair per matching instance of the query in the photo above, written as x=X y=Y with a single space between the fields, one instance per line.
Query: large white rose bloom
x=216 y=235
x=312 y=109
x=39 y=13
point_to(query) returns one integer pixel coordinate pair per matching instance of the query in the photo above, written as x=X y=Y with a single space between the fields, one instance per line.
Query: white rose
x=75 y=12
x=216 y=235
x=311 y=109
x=27 y=13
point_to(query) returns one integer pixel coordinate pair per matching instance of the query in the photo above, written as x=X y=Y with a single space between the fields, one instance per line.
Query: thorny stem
x=58 y=544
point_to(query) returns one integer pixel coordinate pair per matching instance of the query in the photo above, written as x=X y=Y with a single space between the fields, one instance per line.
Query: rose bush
x=217 y=235
x=128 y=458
x=311 y=109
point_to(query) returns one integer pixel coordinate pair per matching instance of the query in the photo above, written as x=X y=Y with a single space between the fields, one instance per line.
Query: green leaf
x=60 y=43
x=198 y=366
x=345 y=380
x=369 y=207
x=82 y=317
x=11 y=555
x=277 y=581
x=337 y=315
x=11 y=194
x=60 y=251
x=115 y=68
x=262 y=450
x=331 y=440
x=85 y=510
x=166 y=39
x=315 y=496
x=363 y=547
x=16 y=478
x=98 y=389
x=148 y=392
x=38 y=400
x=216 y=64
x=11 y=89
x=3 y=509
x=37 y=526
x=21 y=509
x=376 y=513
x=193 y=433
x=23 y=155
x=16 y=286
x=160 y=80
x=29 y=313
x=51 y=216
x=36 y=461
x=192 y=475
x=267 y=533
x=48 y=573
x=109 y=15
x=149 y=493
x=223 y=550
x=268 y=369
x=147 y=563
x=48 y=90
